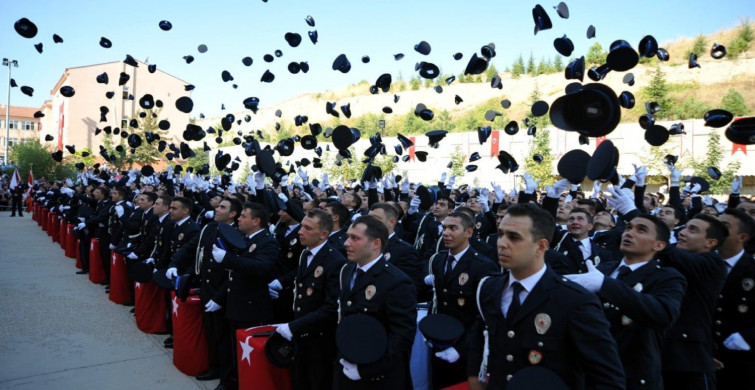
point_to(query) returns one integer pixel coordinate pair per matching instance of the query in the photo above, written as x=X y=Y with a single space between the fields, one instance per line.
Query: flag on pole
x=15 y=180
x=30 y=181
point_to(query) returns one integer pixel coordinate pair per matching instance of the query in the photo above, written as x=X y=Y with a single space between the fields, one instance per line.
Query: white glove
x=621 y=199
x=405 y=186
x=558 y=188
x=674 y=175
x=210 y=214
x=430 y=280
x=592 y=280
x=171 y=273
x=111 y=247
x=640 y=173
x=284 y=180
x=499 y=194
x=273 y=288
x=350 y=370
x=132 y=256
x=324 y=181
x=81 y=226
x=736 y=185
x=250 y=182
x=707 y=200
x=443 y=177
x=379 y=187
x=449 y=354
x=695 y=189
x=721 y=206
x=285 y=331
x=217 y=253
x=483 y=200
x=149 y=261
x=530 y=184
x=512 y=194
x=50 y=193
x=736 y=342
x=567 y=198
x=597 y=186
x=283 y=197
x=414 y=204
x=119 y=210
x=259 y=179
x=211 y=306
x=232 y=189
x=303 y=175
x=451 y=182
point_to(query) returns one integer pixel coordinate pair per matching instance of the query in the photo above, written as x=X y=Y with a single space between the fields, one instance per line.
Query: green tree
x=698 y=47
x=653 y=156
x=558 y=64
x=415 y=83
x=734 y=103
x=540 y=144
x=490 y=72
x=713 y=158
x=146 y=153
x=595 y=55
x=352 y=169
x=34 y=156
x=199 y=160
x=542 y=66
x=458 y=161
x=542 y=121
x=518 y=69
x=658 y=91
x=531 y=65
x=741 y=43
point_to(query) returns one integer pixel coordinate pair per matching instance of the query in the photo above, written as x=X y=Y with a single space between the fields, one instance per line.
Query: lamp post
x=10 y=64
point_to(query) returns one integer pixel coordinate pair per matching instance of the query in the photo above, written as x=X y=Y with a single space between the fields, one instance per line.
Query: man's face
x=603 y=218
x=748 y=207
x=359 y=247
x=248 y=224
x=160 y=208
x=440 y=209
x=499 y=216
x=731 y=223
x=285 y=218
x=564 y=208
x=177 y=211
x=115 y=196
x=348 y=200
x=223 y=212
x=380 y=215
x=516 y=250
x=308 y=206
x=98 y=194
x=310 y=233
x=579 y=226
x=455 y=237
x=647 y=202
x=639 y=238
x=215 y=201
x=668 y=216
x=710 y=210
x=693 y=237
x=473 y=204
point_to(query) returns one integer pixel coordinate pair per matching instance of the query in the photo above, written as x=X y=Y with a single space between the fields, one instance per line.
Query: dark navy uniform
x=570 y=247
x=387 y=294
x=560 y=326
x=641 y=306
x=403 y=255
x=288 y=260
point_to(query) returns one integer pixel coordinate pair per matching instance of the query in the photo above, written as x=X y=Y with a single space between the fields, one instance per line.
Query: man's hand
x=132 y=256
x=621 y=199
x=430 y=280
x=449 y=354
x=442 y=180
x=171 y=273
x=149 y=261
x=592 y=280
x=350 y=370
x=530 y=184
x=303 y=175
x=736 y=342
x=111 y=246
x=285 y=331
x=736 y=185
x=414 y=204
x=273 y=288
x=674 y=175
x=217 y=253
x=211 y=306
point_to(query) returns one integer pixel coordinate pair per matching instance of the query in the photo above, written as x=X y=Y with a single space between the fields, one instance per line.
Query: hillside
x=695 y=90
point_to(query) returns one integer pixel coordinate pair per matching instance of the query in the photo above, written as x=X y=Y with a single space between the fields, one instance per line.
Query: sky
x=235 y=29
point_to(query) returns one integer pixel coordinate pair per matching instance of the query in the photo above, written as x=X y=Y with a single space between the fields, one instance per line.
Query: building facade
x=22 y=124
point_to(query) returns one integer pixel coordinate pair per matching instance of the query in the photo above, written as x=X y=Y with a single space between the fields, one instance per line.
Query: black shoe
x=169 y=346
x=13 y=215
x=169 y=340
x=133 y=310
x=223 y=387
x=208 y=376
x=82 y=272
x=128 y=304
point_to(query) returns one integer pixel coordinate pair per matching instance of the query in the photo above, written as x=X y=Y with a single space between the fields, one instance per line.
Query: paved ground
x=60 y=331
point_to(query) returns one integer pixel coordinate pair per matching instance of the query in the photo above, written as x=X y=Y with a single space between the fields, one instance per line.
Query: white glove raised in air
x=530 y=184
x=736 y=185
x=622 y=199
x=414 y=204
x=592 y=280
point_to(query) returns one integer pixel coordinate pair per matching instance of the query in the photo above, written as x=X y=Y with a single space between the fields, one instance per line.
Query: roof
x=66 y=73
x=19 y=112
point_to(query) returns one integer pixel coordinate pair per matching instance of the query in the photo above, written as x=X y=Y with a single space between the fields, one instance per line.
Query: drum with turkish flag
x=78 y=252
x=63 y=234
x=45 y=218
x=150 y=307
x=52 y=226
x=189 y=341
x=119 y=284
x=255 y=371
x=71 y=242
x=96 y=272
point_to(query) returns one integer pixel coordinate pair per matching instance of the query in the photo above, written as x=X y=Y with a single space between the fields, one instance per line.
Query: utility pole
x=10 y=64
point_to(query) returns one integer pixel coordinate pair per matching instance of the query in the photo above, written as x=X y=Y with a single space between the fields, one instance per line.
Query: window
x=12 y=141
x=13 y=124
x=124 y=123
x=125 y=93
x=27 y=125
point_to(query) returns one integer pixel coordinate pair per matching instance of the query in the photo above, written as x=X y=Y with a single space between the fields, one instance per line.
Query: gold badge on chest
x=370 y=291
x=463 y=278
x=535 y=357
x=742 y=308
x=748 y=284
x=181 y=236
x=460 y=301
x=310 y=291
x=252 y=248
x=318 y=271
x=542 y=323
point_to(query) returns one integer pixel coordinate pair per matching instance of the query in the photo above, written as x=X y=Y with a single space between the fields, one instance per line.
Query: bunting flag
x=30 y=181
x=736 y=147
x=494 y=143
x=411 y=149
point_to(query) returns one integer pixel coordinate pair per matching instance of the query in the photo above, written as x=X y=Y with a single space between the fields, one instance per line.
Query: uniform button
x=511 y=334
x=445 y=291
x=642 y=381
x=348 y=303
x=208 y=281
x=299 y=296
x=510 y=358
x=508 y=377
x=301 y=285
x=230 y=278
x=718 y=309
x=229 y=290
x=744 y=299
x=718 y=322
x=209 y=270
x=718 y=334
x=684 y=335
x=445 y=303
x=720 y=296
x=365 y=310
x=298 y=309
x=539 y=343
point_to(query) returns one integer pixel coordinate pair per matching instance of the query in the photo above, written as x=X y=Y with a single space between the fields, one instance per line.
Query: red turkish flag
x=494 y=143
x=411 y=149
x=255 y=371
x=736 y=147
x=61 y=120
x=189 y=341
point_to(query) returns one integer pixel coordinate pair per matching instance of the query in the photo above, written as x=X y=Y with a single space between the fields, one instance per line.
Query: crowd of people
x=612 y=289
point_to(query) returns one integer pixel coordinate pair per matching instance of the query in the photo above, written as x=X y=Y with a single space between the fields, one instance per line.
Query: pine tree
x=490 y=72
x=531 y=65
x=714 y=158
x=734 y=103
x=558 y=64
x=657 y=91
x=517 y=69
x=698 y=47
x=540 y=144
x=595 y=55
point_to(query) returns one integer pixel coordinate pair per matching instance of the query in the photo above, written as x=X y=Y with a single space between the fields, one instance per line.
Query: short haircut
x=235 y=205
x=587 y=204
x=185 y=202
x=502 y=207
x=716 y=229
x=151 y=196
x=398 y=208
x=357 y=200
x=578 y=210
x=167 y=199
x=389 y=210
x=258 y=210
x=653 y=200
x=337 y=208
x=662 y=232
x=466 y=221
x=466 y=210
x=105 y=190
x=122 y=191
x=543 y=224
x=746 y=223
x=451 y=202
x=374 y=229
x=324 y=220
x=678 y=213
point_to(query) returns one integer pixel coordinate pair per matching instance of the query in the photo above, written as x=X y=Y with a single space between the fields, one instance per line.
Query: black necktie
x=449 y=266
x=357 y=275
x=623 y=271
x=305 y=259
x=515 y=304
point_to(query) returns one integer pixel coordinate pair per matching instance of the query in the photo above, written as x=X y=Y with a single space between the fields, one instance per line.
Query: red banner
x=494 y=143
x=738 y=147
x=255 y=371
x=149 y=307
x=119 y=285
x=189 y=342
x=411 y=149
x=61 y=121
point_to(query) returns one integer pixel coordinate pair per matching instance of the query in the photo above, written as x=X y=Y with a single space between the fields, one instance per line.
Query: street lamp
x=10 y=64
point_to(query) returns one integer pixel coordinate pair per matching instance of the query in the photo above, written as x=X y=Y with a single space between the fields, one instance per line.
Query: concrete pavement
x=60 y=331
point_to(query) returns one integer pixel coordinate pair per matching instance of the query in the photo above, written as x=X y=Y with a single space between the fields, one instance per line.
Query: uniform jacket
x=403 y=255
x=336 y=241
x=573 y=340
x=567 y=245
x=387 y=294
x=640 y=308
x=735 y=311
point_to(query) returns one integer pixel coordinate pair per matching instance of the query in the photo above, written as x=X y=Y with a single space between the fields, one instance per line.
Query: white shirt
x=457 y=256
x=179 y=223
x=291 y=228
x=528 y=283
x=364 y=268
x=633 y=267
x=249 y=237
x=586 y=248
x=732 y=261
x=314 y=252
x=163 y=217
